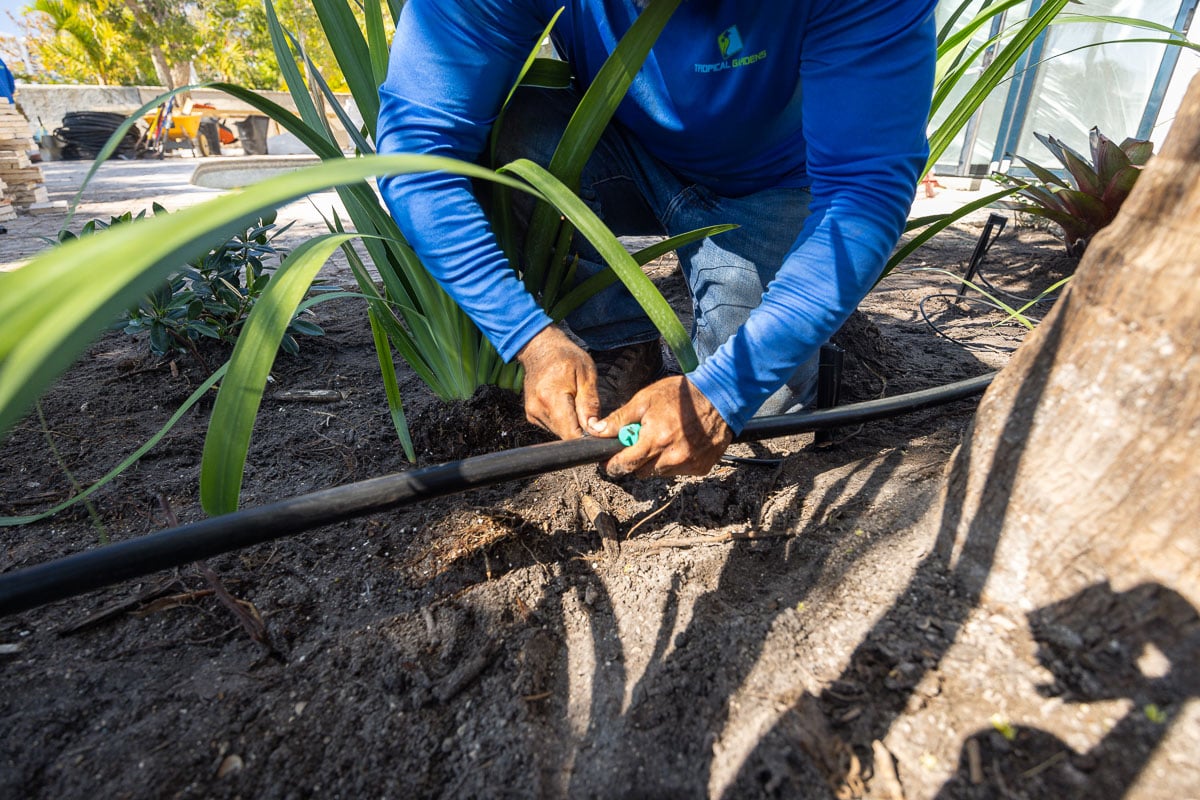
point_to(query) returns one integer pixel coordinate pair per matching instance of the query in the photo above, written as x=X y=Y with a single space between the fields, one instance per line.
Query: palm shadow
x=1093 y=643
x=894 y=647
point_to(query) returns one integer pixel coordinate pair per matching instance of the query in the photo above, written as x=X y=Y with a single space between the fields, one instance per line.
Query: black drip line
x=92 y=569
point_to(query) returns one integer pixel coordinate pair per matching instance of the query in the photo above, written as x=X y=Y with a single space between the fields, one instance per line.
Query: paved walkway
x=134 y=186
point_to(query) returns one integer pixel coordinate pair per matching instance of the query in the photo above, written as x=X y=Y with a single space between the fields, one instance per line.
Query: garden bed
x=769 y=630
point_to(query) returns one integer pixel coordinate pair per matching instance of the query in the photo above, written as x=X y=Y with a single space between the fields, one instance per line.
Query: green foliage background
x=116 y=42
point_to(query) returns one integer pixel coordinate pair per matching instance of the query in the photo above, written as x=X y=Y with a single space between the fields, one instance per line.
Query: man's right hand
x=560 y=384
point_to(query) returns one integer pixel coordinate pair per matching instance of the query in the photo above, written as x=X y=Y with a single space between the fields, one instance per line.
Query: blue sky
x=6 y=24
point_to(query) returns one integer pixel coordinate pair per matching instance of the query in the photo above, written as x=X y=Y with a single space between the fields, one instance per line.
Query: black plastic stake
x=995 y=222
x=829 y=384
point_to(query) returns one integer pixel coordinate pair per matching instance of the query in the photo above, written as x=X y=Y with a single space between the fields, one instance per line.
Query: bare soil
x=784 y=629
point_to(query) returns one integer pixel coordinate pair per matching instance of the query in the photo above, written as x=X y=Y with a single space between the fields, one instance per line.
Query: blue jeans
x=636 y=195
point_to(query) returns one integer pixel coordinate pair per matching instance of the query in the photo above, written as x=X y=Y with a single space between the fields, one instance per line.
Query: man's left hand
x=682 y=434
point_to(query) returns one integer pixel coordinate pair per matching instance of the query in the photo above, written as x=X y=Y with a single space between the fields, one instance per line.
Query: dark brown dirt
x=749 y=634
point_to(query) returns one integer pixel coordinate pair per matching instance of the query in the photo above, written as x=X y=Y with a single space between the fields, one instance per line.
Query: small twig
x=1001 y=784
x=171 y=601
x=681 y=541
x=649 y=517
x=694 y=541
x=139 y=371
x=32 y=500
x=466 y=672
x=974 y=761
x=120 y=607
x=245 y=612
x=603 y=522
x=191 y=346
x=1045 y=765
x=533 y=555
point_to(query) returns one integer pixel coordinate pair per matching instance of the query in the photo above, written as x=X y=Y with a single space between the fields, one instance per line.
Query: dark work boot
x=622 y=371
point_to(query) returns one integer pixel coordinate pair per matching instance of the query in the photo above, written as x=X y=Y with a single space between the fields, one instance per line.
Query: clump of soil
x=492 y=420
x=783 y=627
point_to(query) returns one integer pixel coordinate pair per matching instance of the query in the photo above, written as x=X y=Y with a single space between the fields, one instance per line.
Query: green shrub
x=214 y=294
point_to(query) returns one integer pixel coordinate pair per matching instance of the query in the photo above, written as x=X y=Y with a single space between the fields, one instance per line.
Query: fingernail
x=597 y=425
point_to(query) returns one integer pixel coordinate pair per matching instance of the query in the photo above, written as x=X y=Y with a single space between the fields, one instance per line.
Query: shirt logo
x=729 y=42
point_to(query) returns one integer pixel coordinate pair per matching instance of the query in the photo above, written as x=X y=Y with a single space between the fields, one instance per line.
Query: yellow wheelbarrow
x=184 y=130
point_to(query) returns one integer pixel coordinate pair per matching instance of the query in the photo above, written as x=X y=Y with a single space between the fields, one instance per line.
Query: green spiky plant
x=1091 y=194
x=47 y=317
x=45 y=320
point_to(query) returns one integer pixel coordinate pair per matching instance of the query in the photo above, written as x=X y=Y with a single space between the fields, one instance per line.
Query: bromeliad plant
x=1090 y=195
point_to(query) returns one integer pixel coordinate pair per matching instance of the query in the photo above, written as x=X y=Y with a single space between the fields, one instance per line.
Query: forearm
x=865 y=103
x=822 y=280
x=445 y=83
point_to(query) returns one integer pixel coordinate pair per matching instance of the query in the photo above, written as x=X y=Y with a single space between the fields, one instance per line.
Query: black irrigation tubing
x=83 y=572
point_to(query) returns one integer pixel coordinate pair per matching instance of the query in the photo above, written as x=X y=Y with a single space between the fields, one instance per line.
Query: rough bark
x=1083 y=465
x=1074 y=501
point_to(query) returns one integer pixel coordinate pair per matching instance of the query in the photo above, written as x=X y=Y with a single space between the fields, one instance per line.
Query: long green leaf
x=615 y=254
x=45 y=321
x=943 y=222
x=606 y=92
x=353 y=56
x=291 y=74
x=351 y=129
x=502 y=220
x=606 y=277
x=241 y=392
x=1125 y=22
x=391 y=387
x=586 y=127
x=548 y=73
x=1012 y=312
x=940 y=139
x=377 y=41
x=149 y=444
x=954 y=44
x=129 y=460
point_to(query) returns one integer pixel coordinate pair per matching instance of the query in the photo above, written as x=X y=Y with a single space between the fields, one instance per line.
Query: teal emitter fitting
x=628 y=435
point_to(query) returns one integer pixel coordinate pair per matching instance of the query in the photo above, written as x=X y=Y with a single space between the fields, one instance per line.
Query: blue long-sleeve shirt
x=739 y=96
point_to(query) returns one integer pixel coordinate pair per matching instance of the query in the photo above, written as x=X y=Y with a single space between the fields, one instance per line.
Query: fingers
x=560 y=384
x=633 y=411
x=553 y=398
x=587 y=399
x=681 y=434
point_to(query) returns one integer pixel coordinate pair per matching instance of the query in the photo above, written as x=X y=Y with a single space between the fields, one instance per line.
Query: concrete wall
x=48 y=104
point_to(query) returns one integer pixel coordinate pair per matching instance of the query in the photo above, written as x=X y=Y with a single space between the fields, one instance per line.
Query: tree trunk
x=1075 y=498
x=1084 y=461
x=162 y=68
